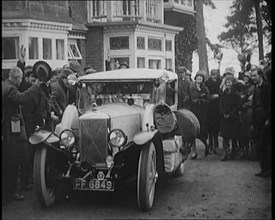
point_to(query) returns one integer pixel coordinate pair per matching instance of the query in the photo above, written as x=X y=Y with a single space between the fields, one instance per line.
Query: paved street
x=209 y=189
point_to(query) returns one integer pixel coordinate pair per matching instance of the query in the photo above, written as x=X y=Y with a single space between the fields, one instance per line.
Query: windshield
x=114 y=92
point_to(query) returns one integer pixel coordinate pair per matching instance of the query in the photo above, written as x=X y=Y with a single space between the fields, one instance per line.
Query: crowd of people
x=32 y=96
x=237 y=109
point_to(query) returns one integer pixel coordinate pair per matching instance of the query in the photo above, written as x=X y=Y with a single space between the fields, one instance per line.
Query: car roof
x=131 y=74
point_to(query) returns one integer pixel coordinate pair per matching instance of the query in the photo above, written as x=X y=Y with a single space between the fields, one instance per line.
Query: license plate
x=93 y=184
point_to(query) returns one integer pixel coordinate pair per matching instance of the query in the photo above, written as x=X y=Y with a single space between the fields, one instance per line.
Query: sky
x=214 y=20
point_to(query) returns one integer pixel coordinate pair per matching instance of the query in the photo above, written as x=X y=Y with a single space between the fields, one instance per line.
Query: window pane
x=168 y=45
x=60 y=55
x=168 y=64
x=75 y=50
x=140 y=62
x=154 y=64
x=10 y=48
x=33 y=48
x=140 y=43
x=47 y=49
x=119 y=43
x=154 y=44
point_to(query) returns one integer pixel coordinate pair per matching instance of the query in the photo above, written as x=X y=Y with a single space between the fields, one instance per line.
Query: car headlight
x=67 y=138
x=117 y=138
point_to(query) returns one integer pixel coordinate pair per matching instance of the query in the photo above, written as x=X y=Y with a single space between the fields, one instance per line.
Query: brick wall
x=12 y=5
x=44 y=10
x=81 y=43
x=94 y=48
x=79 y=11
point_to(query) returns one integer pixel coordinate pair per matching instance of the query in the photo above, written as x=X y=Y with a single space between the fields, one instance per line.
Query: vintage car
x=122 y=128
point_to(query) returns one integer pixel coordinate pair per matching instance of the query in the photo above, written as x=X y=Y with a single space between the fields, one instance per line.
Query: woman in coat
x=213 y=84
x=230 y=104
x=199 y=105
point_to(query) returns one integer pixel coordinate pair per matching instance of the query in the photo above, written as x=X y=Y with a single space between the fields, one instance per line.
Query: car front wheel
x=147 y=177
x=43 y=181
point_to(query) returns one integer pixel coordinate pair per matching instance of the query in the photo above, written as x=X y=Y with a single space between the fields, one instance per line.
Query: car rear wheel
x=147 y=177
x=43 y=181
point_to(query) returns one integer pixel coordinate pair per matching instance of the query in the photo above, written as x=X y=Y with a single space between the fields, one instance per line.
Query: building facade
x=96 y=33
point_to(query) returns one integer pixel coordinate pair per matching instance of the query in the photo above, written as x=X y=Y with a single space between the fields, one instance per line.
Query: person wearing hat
x=245 y=141
x=76 y=68
x=124 y=65
x=230 y=104
x=184 y=93
x=228 y=71
x=199 y=105
x=213 y=84
x=90 y=71
x=60 y=91
x=28 y=79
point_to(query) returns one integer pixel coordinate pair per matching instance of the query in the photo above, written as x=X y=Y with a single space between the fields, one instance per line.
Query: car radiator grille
x=94 y=140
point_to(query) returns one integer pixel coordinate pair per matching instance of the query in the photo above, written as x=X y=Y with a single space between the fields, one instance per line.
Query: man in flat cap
x=60 y=91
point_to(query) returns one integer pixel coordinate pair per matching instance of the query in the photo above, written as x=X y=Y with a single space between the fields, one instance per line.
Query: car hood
x=121 y=115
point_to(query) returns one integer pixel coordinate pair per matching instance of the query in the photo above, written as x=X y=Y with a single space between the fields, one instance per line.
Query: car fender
x=144 y=136
x=41 y=136
x=148 y=118
x=69 y=120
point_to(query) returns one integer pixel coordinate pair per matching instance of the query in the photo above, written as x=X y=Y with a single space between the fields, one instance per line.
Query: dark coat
x=199 y=106
x=37 y=111
x=230 y=103
x=213 y=106
x=246 y=110
x=59 y=96
x=11 y=100
x=261 y=106
x=184 y=93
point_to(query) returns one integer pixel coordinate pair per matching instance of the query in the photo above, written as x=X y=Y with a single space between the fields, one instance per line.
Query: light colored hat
x=90 y=70
x=229 y=70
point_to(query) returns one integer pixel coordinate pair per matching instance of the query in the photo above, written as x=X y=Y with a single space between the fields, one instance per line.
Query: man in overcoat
x=261 y=108
x=184 y=92
x=60 y=93
x=14 y=139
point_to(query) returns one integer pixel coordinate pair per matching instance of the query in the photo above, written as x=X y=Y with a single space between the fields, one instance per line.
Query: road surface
x=209 y=189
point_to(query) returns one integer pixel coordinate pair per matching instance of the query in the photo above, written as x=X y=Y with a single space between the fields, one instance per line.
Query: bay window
x=10 y=48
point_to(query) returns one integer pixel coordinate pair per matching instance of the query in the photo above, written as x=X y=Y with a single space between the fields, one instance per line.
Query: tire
x=147 y=177
x=44 y=186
